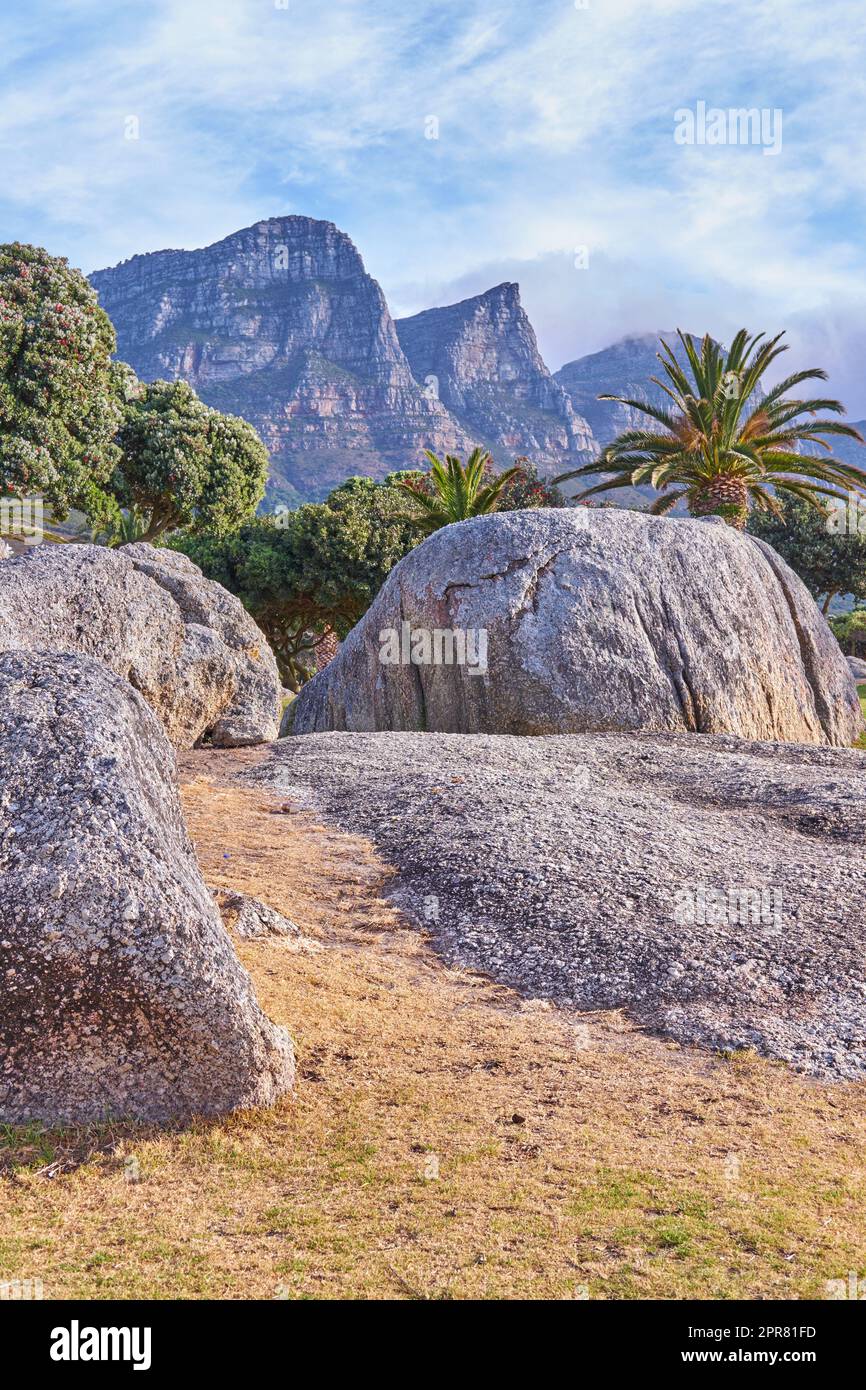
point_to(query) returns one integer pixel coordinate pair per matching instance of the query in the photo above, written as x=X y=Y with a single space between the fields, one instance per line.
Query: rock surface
x=214 y=619
x=595 y=620
x=150 y=615
x=713 y=888
x=280 y=323
x=857 y=667
x=122 y=993
x=482 y=359
x=252 y=920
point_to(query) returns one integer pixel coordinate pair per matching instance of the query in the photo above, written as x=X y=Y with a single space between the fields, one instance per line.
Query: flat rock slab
x=712 y=887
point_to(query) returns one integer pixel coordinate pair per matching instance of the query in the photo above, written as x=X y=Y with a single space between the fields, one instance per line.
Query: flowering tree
x=525 y=489
x=185 y=466
x=61 y=398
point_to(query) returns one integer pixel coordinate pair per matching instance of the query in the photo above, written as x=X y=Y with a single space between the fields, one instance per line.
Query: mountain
x=625 y=369
x=848 y=450
x=280 y=323
x=481 y=357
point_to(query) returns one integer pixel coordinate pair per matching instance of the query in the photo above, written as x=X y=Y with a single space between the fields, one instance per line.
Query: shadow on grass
x=48 y=1152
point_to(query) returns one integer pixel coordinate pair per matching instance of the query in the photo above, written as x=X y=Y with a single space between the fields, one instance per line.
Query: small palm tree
x=720 y=447
x=120 y=526
x=455 y=492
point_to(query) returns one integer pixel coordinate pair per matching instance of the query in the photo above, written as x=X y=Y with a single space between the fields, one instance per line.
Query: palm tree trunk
x=725 y=497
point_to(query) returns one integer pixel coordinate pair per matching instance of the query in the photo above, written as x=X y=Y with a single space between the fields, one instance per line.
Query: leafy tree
x=313 y=571
x=850 y=631
x=61 y=397
x=454 y=492
x=828 y=562
x=185 y=466
x=721 y=445
x=525 y=490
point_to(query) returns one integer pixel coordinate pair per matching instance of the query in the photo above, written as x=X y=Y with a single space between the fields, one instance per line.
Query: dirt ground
x=446 y=1141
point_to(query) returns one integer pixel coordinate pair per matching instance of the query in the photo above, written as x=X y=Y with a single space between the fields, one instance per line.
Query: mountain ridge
x=281 y=323
x=482 y=357
x=237 y=318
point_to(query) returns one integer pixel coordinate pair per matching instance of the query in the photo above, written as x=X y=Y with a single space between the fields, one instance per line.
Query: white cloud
x=556 y=130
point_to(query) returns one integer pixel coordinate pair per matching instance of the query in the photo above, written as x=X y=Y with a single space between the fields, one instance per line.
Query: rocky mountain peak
x=481 y=357
x=280 y=323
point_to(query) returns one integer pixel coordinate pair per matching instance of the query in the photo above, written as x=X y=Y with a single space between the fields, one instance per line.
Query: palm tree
x=457 y=492
x=721 y=446
x=114 y=527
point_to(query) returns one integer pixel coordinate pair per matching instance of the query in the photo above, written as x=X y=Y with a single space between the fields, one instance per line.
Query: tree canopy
x=307 y=572
x=829 y=561
x=184 y=466
x=61 y=397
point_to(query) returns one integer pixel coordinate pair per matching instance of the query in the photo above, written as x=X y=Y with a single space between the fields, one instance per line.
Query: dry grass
x=572 y=1152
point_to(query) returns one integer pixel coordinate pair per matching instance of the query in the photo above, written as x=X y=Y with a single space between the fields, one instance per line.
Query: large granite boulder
x=122 y=995
x=211 y=613
x=150 y=615
x=582 y=620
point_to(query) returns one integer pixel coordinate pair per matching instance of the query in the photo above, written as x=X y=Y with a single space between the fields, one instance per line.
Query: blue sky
x=555 y=132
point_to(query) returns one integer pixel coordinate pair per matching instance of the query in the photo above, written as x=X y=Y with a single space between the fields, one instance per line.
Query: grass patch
x=860 y=742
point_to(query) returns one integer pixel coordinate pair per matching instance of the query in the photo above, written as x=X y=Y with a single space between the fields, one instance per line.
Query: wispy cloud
x=555 y=130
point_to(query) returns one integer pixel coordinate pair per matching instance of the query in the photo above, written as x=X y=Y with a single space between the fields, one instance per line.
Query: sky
x=461 y=143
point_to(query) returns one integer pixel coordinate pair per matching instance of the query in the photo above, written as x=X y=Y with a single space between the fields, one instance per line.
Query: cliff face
x=624 y=368
x=280 y=323
x=482 y=359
